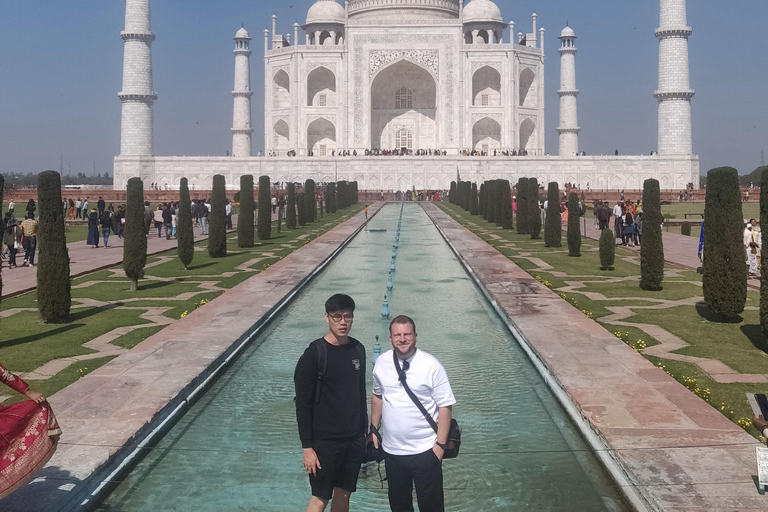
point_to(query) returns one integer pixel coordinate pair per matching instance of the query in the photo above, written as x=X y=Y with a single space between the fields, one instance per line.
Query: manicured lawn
x=678 y=309
x=26 y=343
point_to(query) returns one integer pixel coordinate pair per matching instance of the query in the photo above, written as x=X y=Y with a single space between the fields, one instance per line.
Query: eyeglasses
x=338 y=318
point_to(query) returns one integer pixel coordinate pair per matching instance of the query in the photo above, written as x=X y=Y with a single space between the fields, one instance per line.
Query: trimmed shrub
x=264 y=228
x=135 y=233
x=481 y=201
x=53 y=289
x=290 y=205
x=333 y=198
x=302 y=209
x=452 y=193
x=505 y=197
x=185 y=236
x=534 y=209
x=764 y=251
x=473 y=206
x=725 y=278
x=574 y=230
x=685 y=228
x=522 y=207
x=652 y=248
x=245 y=229
x=553 y=228
x=309 y=197
x=217 y=219
x=607 y=249
x=490 y=214
x=322 y=206
x=327 y=198
x=498 y=203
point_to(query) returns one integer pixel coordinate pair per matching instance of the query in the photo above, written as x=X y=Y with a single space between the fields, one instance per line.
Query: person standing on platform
x=12 y=239
x=331 y=408
x=228 y=213
x=413 y=452
x=93 y=229
x=78 y=208
x=85 y=209
x=29 y=230
x=105 y=219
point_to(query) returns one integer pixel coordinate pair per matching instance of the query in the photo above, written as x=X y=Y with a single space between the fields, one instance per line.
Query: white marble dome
x=567 y=32
x=242 y=34
x=482 y=11
x=326 y=11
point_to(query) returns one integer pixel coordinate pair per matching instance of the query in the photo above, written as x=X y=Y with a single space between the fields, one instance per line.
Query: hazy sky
x=61 y=70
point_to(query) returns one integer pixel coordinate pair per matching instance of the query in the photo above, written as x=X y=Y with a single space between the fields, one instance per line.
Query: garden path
x=676 y=250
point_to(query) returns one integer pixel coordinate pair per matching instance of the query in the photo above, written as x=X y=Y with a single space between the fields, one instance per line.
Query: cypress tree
x=498 y=203
x=332 y=198
x=328 y=198
x=764 y=251
x=217 y=219
x=505 y=196
x=607 y=249
x=53 y=287
x=534 y=209
x=652 y=248
x=135 y=233
x=481 y=201
x=523 y=226
x=490 y=214
x=473 y=206
x=725 y=278
x=185 y=236
x=245 y=229
x=574 y=230
x=322 y=207
x=553 y=228
x=264 y=228
x=309 y=196
x=302 y=209
x=342 y=197
x=290 y=204
x=452 y=193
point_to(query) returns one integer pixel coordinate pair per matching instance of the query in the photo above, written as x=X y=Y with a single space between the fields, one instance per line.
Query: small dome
x=567 y=32
x=482 y=11
x=326 y=11
x=242 y=34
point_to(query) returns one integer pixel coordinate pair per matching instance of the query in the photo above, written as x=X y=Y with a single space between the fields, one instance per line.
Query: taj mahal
x=408 y=94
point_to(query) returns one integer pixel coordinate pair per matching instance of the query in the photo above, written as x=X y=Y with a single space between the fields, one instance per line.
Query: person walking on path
x=618 y=211
x=85 y=209
x=93 y=229
x=101 y=206
x=78 y=208
x=12 y=239
x=750 y=247
x=120 y=215
x=71 y=209
x=29 y=230
x=228 y=213
x=31 y=207
x=11 y=206
x=106 y=225
x=274 y=203
x=331 y=409
x=167 y=215
x=158 y=218
x=202 y=212
x=29 y=434
x=413 y=452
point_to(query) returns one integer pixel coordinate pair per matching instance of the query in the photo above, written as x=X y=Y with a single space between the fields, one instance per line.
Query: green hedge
x=217 y=219
x=53 y=289
x=523 y=226
x=725 y=275
x=245 y=228
x=553 y=229
x=473 y=205
x=290 y=205
x=302 y=209
x=652 y=246
x=134 y=233
x=607 y=249
x=185 y=236
x=574 y=230
x=534 y=210
x=264 y=226
x=685 y=228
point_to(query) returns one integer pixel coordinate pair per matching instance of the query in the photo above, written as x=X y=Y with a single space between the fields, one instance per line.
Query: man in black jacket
x=332 y=419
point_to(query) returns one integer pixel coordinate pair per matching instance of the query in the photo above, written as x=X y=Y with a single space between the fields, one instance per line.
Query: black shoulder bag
x=454 y=432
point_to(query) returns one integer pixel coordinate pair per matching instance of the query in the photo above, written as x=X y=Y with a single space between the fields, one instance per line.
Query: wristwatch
x=444 y=446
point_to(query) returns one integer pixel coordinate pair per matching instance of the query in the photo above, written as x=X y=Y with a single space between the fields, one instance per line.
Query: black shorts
x=340 y=460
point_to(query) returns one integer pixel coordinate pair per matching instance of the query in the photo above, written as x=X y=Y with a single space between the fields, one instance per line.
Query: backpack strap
x=322 y=361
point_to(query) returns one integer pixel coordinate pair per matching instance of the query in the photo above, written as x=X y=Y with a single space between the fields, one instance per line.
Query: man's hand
x=439 y=452
x=759 y=422
x=311 y=463
x=374 y=438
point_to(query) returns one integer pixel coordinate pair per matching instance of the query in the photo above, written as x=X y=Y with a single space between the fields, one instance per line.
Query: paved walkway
x=679 y=453
x=102 y=413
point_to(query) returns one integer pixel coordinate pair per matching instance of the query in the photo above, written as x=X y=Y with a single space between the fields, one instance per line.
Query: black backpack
x=322 y=361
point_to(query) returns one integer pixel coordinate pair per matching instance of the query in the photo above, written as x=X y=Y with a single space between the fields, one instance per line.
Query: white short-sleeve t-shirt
x=405 y=431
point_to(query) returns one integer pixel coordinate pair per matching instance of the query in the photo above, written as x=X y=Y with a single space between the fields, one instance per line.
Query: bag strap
x=416 y=401
x=322 y=361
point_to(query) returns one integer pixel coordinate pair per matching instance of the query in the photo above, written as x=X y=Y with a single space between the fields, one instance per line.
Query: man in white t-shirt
x=413 y=452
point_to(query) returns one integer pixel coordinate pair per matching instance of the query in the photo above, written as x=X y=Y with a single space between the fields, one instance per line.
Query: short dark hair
x=339 y=302
x=402 y=319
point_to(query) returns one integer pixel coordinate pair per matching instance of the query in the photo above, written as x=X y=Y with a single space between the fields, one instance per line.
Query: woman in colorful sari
x=29 y=434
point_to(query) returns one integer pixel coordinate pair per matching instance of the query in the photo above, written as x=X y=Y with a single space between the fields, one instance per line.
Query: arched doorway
x=321 y=88
x=282 y=90
x=321 y=137
x=486 y=87
x=486 y=135
x=403 y=97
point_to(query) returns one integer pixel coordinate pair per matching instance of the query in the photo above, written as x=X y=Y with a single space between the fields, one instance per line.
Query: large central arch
x=403 y=96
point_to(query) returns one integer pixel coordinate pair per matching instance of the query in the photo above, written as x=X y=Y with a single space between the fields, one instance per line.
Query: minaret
x=674 y=93
x=136 y=131
x=569 y=120
x=241 y=119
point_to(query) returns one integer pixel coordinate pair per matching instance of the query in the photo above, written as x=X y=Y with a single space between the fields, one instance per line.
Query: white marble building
x=413 y=75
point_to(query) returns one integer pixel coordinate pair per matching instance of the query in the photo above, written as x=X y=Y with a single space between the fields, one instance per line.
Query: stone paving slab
x=102 y=413
x=680 y=453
